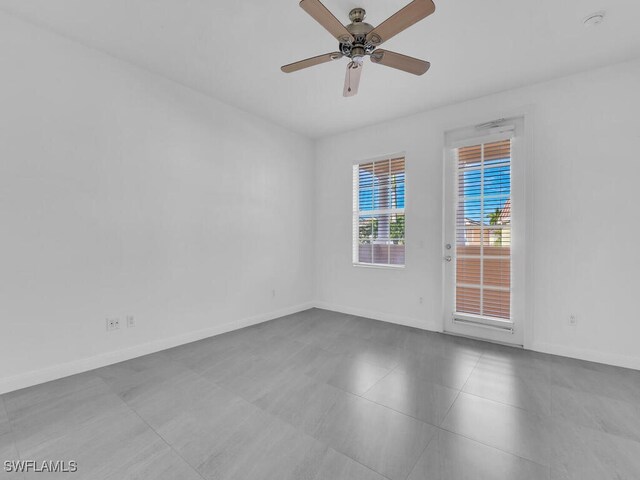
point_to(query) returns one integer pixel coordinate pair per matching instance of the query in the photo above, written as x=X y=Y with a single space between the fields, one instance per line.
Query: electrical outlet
x=573 y=320
x=421 y=300
x=131 y=321
x=273 y=293
x=112 y=324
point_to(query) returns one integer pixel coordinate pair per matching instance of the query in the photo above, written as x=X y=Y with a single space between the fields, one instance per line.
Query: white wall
x=583 y=254
x=124 y=193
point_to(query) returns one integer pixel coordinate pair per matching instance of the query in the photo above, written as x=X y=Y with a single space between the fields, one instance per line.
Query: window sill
x=378 y=265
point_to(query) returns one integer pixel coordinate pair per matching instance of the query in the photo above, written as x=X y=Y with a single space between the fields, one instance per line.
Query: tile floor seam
x=374 y=402
x=461 y=390
x=347 y=391
x=293 y=337
x=421 y=454
x=348 y=355
x=493 y=447
x=342 y=453
x=434 y=382
x=423 y=379
x=348 y=456
x=531 y=412
x=391 y=369
x=474 y=439
x=406 y=414
x=363 y=339
x=444 y=417
x=339 y=451
x=377 y=382
x=135 y=412
x=475 y=366
x=101 y=380
x=401 y=413
x=298 y=429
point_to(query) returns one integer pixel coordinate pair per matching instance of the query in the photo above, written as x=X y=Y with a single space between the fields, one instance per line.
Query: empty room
x=319 y=240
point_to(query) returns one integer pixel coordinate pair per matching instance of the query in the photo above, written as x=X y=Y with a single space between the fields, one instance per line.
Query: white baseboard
x=422 y=324
x=55 y=372
x=553 y=349
x=588 y=355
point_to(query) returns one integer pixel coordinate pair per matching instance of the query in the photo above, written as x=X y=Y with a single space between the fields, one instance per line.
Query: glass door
x=478 y=250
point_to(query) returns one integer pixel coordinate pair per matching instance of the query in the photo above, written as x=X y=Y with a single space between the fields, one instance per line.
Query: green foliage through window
x=396 y=229
x=368 y=229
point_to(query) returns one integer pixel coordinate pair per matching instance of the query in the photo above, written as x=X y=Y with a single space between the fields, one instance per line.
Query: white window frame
x=356 y=213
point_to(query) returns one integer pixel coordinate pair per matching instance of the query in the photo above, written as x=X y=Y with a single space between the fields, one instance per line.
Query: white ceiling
x=232 y=50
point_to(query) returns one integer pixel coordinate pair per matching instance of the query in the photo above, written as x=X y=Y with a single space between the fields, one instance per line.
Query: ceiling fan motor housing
x=359 y=29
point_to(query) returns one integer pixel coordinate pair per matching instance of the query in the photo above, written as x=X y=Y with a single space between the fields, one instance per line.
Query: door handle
x=448 y=258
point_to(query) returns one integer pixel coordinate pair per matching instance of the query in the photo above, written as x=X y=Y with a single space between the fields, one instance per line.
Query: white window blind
x=483 y=230
x=378 y=213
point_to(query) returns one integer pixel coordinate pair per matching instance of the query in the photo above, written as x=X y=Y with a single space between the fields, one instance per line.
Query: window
x=483 y=230
x=378 y=213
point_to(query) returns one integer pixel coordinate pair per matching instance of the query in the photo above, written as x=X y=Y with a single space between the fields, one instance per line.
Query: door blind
x=378 y=213
x=483 y=230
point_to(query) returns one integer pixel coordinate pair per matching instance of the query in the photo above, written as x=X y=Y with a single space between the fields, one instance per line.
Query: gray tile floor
x=321 y=395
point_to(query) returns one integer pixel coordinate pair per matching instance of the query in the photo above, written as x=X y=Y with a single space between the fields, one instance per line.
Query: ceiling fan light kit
x=359 y=39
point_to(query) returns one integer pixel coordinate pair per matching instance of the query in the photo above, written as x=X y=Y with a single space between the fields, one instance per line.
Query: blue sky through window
x=497 y=190
x=369 y=199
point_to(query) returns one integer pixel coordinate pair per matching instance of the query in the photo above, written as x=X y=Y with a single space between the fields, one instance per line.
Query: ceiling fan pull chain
x=349 y=69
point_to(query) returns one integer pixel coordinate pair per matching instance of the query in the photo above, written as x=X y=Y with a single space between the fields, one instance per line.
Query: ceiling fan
x=358 y=39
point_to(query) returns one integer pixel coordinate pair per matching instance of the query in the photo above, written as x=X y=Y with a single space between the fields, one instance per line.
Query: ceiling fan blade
x=325 y=18
x=399 y=61
x=352 y=79
x=310 y=62
x=401 y=20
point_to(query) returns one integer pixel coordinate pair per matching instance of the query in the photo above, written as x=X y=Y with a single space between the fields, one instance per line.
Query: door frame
x=521 y=178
